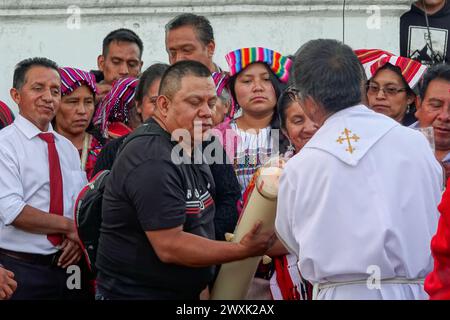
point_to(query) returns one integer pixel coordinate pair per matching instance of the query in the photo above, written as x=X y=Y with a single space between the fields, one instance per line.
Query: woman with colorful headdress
x=391 y=85
x=6 y=115
x=73 y=119
x=146 y=93
x=224 y=108
x=257 y=76
x=286 y=282
x=116 y=115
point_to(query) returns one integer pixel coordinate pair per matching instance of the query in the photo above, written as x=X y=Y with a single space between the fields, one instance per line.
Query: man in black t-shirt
x=157 y=232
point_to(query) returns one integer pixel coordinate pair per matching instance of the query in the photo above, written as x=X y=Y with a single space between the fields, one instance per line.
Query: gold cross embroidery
x=347 y=138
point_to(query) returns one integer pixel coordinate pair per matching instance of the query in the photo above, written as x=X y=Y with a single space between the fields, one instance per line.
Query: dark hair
x=439 y=71
x=201 y=25
x=275 y=122
x=125 y=35
x=330 y=73
x=284 y=101
x=171 y=80
x=397 y=71
x=152 y=73
x=23 y=66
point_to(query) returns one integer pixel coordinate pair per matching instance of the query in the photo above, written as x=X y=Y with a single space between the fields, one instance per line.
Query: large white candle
x=235 y=277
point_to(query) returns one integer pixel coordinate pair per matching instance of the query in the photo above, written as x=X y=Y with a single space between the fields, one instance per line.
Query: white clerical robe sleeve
x=285 y=212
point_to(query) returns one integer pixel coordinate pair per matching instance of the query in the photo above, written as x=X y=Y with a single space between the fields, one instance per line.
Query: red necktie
x=56 y=183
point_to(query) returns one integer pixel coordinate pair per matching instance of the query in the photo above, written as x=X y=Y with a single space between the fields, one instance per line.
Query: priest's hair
x=329 y=72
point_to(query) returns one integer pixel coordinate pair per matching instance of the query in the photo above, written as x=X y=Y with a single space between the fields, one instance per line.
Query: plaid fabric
x=374 y=59
x=371 y=55
x=72 y=78
x=239 y=59
x=252 y=152
x=221 y=81
x=94 y=150
x=116 y=105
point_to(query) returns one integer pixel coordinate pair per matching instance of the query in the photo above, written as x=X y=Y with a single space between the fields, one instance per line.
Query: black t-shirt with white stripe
x=148 y=191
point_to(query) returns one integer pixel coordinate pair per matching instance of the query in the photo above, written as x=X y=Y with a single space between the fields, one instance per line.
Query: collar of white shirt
x=29 y=129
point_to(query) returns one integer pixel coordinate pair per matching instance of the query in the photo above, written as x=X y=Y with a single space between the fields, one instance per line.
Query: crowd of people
x=362 y=187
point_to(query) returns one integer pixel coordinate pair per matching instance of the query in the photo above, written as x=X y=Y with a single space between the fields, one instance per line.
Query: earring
x=291 y=146
x=237 y=111
x=290 y=150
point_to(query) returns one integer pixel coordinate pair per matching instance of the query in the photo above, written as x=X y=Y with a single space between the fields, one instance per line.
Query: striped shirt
x=252 y=152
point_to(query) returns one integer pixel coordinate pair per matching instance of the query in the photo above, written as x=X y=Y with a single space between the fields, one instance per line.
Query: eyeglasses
x=390 y=91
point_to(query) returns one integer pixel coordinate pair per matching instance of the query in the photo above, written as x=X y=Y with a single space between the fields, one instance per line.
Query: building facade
x=71 y=32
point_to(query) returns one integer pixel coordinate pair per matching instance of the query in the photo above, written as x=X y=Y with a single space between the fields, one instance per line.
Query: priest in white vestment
x=358 y=204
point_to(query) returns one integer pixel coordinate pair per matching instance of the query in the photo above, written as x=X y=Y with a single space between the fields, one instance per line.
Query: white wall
x=43 y=27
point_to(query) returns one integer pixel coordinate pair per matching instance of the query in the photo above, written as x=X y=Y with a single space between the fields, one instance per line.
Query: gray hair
x=225 y=96
x=329 y=72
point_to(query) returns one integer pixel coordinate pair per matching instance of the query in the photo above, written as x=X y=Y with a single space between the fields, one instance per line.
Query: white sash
x=320 y=286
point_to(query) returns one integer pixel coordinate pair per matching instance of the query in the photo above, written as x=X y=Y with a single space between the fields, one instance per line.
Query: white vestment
x=358 y=201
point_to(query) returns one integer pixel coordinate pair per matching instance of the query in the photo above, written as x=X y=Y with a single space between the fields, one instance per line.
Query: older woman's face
x=220 y=111
x=147 y=108
x=394 y=103
x=75 y=112
x=299 y=128
x=255 y=93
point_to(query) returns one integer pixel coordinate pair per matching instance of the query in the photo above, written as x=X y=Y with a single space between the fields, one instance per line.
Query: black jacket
x=413 y=32
x=227 y=194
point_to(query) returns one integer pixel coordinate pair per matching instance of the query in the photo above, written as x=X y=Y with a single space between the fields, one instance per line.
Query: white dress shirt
x=25 y=180
x=360 y=200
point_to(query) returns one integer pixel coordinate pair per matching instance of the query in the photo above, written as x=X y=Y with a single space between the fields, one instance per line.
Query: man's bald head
x=171 y=80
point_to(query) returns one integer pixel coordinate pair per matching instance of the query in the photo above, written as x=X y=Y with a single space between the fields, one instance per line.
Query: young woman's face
x=254 y=91
x=299 y=128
